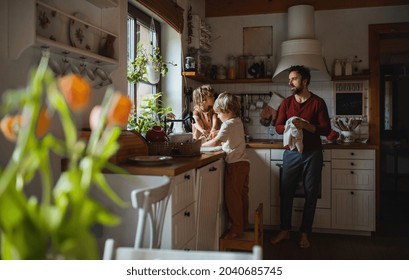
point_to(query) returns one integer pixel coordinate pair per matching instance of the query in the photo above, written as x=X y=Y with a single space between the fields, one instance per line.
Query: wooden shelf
x=207 y=80
x=351 y=77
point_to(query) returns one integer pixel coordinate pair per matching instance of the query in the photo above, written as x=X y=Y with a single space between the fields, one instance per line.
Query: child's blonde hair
x=227 y=102
x=200 y=94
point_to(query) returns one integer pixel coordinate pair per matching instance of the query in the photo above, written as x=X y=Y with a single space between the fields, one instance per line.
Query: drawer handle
x=352 y=193
x=187 y=214
x=187 y=177
x=211 y=169
x=352 y=154
x=352 y=164
x=352 y=172
x=298 y=210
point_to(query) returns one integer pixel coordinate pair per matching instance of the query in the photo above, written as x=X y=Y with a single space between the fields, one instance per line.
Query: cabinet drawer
x=353 y=164
x=353 y=179
x=183 y=191
x=353 y=154
x=184 y=227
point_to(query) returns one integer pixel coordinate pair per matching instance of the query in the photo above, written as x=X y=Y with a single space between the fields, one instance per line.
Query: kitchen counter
x=278 y=144
x=175 y=167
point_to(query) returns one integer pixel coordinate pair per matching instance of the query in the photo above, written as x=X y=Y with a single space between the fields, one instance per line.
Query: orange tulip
x=10 y=125
x=44 y=120
x=76 y=91
x=120 y=110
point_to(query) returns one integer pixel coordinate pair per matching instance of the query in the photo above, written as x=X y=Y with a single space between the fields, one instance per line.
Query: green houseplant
x=151 y=113
x=148 y=65
x=56 y=224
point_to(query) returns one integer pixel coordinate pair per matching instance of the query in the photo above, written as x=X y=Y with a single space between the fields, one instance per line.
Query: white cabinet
x=180 y=222
x=80 y=30
x=194 y=219
x=209 y=180
x=353 y=197
x=259 y=184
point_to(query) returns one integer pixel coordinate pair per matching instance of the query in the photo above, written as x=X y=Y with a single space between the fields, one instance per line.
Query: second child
x=231 y=137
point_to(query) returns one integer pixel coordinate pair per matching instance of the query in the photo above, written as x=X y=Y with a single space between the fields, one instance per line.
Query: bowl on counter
x=180 y=137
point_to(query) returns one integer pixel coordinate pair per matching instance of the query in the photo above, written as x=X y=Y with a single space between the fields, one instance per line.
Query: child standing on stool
x=206 y=124
x=231 y=137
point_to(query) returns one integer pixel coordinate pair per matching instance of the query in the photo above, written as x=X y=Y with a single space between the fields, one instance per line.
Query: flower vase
x=348 y=136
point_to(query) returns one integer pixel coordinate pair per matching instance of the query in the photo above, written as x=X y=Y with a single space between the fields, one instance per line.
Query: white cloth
x=292 y=136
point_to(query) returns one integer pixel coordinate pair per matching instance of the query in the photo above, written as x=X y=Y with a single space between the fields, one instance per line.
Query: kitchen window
x=139 y=30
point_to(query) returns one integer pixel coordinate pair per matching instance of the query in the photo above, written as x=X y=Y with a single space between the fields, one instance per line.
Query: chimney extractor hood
x=302 y=48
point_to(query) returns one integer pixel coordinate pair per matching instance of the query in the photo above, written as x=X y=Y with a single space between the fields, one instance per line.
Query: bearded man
x=307 y=114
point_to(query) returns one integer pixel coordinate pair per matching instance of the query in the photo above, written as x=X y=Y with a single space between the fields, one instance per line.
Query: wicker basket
x=175 y=149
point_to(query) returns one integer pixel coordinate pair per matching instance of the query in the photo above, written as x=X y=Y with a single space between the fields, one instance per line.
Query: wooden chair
x=247 y=240
x=130 y=253
x=151 y=205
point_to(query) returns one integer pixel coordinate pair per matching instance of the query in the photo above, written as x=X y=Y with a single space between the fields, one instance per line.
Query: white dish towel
x=292 y=136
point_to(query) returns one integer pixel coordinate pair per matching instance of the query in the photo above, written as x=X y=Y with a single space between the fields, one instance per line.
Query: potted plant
x=57 y=224
x=148 y=65
x=151 y=113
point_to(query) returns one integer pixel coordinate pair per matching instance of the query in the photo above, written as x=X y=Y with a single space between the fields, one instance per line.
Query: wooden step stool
x=248 y=239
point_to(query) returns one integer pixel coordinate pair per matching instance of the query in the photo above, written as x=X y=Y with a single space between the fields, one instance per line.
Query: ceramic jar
x=156 y=134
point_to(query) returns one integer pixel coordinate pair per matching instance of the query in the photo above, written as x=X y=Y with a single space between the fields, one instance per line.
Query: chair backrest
x=130 y=253
x=151 y=204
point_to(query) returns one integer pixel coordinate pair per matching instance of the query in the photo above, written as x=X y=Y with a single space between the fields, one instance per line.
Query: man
x=309 y=118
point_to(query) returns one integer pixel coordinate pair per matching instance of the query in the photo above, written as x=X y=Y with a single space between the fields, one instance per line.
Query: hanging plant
x=148 y=62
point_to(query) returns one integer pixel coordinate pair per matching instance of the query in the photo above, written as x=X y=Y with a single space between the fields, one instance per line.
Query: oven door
x=324 y=196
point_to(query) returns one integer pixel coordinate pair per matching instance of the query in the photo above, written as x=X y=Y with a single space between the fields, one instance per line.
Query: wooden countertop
x=176 y=166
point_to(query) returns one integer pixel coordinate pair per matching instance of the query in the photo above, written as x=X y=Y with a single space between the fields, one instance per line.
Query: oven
x=324 y=198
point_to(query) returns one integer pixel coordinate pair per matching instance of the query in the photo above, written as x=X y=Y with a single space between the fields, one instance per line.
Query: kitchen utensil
x=156 y=134
x=150 y=160
x=252 y=105
x=259 y=102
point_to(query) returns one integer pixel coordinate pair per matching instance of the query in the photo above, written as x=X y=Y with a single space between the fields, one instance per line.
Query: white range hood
x=301 y=48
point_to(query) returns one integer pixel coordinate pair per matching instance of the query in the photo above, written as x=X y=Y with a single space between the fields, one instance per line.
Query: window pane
x=138 y=31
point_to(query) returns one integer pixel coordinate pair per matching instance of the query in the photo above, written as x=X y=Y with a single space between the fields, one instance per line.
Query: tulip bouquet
x=57 y=224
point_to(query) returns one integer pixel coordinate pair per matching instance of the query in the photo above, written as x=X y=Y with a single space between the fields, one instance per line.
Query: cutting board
x=131 y=144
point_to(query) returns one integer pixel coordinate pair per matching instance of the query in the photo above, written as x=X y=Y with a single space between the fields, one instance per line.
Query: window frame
x=140 y=18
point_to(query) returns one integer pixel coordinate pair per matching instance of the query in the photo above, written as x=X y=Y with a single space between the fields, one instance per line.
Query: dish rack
x=175 y=149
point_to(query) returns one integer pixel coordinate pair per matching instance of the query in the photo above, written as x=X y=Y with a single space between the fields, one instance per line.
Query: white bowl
x=180 y=137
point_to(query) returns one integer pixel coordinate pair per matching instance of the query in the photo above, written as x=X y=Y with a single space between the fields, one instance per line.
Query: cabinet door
x=182 y=196
x=208 y=187
x=183 y=227
x=183 y=192
x=259 y=184
x=353 y=210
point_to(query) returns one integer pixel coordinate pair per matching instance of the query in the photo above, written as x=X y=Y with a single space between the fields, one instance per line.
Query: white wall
x=342 y=33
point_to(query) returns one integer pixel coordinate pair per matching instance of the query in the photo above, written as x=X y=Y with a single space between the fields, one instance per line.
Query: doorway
x=389 y=83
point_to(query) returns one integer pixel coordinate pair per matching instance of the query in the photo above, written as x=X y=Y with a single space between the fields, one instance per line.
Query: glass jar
x=242 y=67
x=250 y=64
x=190 y=64
x=231 y=72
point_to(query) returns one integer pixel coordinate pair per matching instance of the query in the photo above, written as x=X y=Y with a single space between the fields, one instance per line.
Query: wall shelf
x=207 y=80
x=351 y=77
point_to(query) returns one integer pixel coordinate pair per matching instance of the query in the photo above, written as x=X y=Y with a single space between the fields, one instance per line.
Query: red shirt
x=314 y=110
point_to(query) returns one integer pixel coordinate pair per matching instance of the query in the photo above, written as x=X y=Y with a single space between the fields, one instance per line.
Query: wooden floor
x=389 y=242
